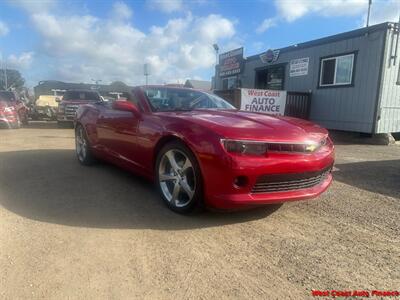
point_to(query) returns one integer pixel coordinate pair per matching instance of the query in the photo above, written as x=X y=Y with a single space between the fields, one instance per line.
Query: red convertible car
x=201 y=151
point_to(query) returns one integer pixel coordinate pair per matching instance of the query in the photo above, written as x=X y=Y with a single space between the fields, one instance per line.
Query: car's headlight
x=261 y=148
x=9 y=109
x=244 y=147
x=61 y=108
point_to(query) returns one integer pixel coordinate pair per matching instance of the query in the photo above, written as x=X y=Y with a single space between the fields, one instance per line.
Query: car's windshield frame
x=198 y=96
x=66 y=96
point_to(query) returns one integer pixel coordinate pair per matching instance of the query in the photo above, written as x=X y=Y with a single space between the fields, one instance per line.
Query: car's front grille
x=288 y=182
x=295 y=148
x=70 y=110
x=286 y=147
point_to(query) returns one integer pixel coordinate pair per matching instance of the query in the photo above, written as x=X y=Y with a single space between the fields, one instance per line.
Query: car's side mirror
x=126 y=106
x=58 y=100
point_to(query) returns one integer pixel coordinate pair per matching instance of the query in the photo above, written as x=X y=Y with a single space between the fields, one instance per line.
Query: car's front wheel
x=179 y=179
x=24 y=119
x=82 y=146
x=17 y=123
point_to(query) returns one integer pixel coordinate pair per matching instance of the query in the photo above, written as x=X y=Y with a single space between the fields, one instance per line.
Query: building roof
x=332 y=38
x=174 y=84
x=198 y=84
x=46 y=86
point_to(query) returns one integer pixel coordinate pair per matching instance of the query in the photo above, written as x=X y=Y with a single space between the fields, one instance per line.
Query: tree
x=14 y=80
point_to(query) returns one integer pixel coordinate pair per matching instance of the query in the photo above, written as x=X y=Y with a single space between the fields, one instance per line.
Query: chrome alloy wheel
x=177 y=178
x=81 y=144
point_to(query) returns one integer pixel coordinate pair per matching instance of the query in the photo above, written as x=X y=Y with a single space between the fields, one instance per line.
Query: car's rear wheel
x=179 y=179
x=82 y=146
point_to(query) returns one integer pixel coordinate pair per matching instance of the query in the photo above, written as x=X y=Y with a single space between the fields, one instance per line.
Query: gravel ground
x=68 y=231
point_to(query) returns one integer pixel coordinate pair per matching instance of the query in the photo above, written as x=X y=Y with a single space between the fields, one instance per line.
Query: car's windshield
x=84 y=96
x=168 y=99
x=7 y=96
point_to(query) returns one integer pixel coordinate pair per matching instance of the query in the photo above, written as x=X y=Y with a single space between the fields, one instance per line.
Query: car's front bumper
x=8 y=121
x=46 y=111
x=219 y=176
x=233 y=201
x=64 y=118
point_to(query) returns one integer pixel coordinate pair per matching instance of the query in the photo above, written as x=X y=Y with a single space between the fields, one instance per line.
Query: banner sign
x=299 y=67
x=264 y=101
x=230 y=63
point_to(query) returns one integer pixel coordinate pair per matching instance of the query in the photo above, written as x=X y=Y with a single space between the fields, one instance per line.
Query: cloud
x=22 y=61
x=166 y=6
x=3 y=29
x=121 y=11
x=258 y=46
x=213 y=27
x=34 y=6
x=292 y=10
x=384 y=11
x=84 y=46
x=266 y=24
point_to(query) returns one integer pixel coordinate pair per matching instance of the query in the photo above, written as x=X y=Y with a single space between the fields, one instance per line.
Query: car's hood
x=76 y=102
x=4 y=104
x=47 y=100
x=246 y=125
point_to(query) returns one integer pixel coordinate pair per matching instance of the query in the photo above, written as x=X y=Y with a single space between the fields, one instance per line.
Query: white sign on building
x=299 y=67
x=264 y=101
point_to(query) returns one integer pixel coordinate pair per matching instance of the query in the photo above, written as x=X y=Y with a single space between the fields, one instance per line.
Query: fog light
x=240 y=181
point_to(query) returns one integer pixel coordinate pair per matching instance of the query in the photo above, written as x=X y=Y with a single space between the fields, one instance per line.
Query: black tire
x=85 y=157
x=195 y=203
x=17 y=125
x=25 y=120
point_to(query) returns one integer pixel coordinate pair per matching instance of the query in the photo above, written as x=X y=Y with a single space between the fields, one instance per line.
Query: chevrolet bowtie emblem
x=311 y=147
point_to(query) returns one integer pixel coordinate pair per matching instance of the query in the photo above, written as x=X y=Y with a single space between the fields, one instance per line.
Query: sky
x=81 y=41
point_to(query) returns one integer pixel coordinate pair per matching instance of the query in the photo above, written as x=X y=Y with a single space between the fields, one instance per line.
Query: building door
x=230 y=83
x=271 y=78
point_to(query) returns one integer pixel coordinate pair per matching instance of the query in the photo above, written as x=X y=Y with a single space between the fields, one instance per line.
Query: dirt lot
x=68 y=231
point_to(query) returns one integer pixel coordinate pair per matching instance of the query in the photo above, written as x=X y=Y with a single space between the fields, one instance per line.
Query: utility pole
x=369 y=11
x=4 y=67
x=216 y=48
x=96 y=81
x=146 y=72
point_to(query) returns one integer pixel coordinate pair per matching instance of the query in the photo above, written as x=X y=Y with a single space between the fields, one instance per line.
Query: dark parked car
x=13 y=111
x=70 y=103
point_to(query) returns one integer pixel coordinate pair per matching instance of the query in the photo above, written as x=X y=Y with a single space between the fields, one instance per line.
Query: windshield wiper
x=182 y=109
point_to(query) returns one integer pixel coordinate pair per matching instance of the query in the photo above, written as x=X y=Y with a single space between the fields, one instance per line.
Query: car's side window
x=129 y=97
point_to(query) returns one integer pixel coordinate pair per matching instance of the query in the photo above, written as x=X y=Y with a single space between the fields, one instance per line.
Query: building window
x=275 y=77
x=229 y=83
x=337 y=71
x=271 y=78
